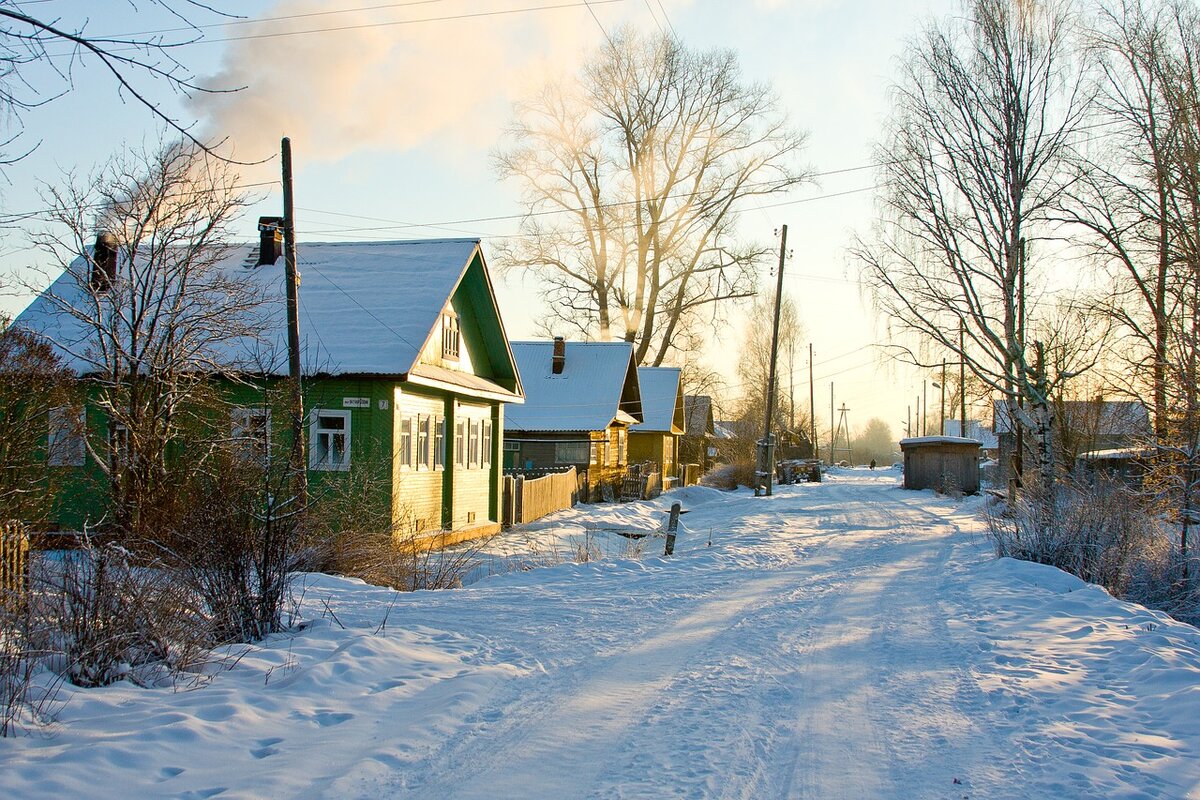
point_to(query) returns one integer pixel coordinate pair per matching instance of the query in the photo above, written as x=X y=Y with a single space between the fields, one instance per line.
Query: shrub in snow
x=730 y=476
x=1103 y=531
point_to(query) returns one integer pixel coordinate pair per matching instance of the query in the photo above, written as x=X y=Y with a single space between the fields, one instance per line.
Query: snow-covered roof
x=1117 y=453
x=725 y=429
x=975 y=430
x=697 y=411
x=660 y=391
x=365 y=307
x=593 y=387
x=918 y=441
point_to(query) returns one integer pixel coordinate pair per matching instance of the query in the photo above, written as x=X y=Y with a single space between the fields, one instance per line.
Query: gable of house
x=662 y=401
x=597 y=385
x=698 y=416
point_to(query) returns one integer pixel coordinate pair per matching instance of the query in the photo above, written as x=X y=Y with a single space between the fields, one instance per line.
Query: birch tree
x=972 y=164
x=633 y=177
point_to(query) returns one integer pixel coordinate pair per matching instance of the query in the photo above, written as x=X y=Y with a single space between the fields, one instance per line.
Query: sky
x=394 y=111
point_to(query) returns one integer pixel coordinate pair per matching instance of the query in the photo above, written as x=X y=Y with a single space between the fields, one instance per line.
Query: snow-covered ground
x=844 y=639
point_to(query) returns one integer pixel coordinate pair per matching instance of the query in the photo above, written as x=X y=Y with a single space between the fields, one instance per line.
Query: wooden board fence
x=14 y=552
x=528 y=499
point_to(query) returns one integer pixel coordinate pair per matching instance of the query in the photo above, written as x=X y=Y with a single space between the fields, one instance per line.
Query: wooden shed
x=942 y=463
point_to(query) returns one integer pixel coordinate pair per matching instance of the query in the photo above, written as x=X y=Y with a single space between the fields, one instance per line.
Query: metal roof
x=365 y=307
x=660 y=391
x=586 y=396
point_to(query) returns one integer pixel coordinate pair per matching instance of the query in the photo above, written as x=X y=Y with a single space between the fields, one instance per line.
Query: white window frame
x=439 y=442
x=473 y=446
x=485 y=444
x=315 y=430
x=253 y=449
x=118 y=444
x=424 y=442
x=404 y=448
x=451 y=336
x=66 y=445
x=460 y=443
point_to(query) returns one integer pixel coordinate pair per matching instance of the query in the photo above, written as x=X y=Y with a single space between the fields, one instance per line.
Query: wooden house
x=1079 y=426
x=580 y=400
x=407 y=374
x=697 y=446
x=656 y=438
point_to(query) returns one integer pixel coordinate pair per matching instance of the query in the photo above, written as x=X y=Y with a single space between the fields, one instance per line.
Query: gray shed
x=942 y=463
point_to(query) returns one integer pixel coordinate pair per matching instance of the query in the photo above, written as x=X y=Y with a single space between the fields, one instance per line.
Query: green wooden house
x=407 y=374
x=657 y=437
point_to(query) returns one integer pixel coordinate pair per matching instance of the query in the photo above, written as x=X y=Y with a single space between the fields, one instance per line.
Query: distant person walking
x=872 y=463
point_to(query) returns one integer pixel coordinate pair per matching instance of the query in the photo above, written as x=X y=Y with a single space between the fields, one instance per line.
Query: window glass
x=571 y=452
x=439 y=442
x=65 y=446
x=329 y=440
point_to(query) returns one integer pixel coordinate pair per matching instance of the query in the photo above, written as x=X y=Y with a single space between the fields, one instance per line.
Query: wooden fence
x=527 y=499
x=14 y=552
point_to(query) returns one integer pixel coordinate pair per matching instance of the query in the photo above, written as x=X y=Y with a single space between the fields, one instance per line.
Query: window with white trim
x=424 y=453
x=250 y=430
x=329 y=440
x=119 y=452
x=485 y=444
x=460 y=443
x=406 y=442
x=65 y=446
x=473 y=431
x=439 y=442
x=450 y=335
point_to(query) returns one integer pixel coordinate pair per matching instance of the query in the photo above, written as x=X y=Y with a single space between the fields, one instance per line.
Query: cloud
x=377 y=84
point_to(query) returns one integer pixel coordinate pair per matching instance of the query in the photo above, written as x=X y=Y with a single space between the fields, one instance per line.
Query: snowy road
x=847 y=639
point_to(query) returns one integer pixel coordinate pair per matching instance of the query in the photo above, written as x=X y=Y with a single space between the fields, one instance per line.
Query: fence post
x=519 y=500
x=14 y=550
x=672 y=527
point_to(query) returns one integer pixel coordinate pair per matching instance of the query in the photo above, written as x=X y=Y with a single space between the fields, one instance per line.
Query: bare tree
x=633 y=178
x=147 y=314
x=753 y=366
x=972 y=166
x=39 y=55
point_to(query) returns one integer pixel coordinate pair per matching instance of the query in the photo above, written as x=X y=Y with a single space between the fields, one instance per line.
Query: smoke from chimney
x=337 y=93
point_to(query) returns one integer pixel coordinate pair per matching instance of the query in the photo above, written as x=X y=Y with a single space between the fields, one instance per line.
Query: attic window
x=450 y=335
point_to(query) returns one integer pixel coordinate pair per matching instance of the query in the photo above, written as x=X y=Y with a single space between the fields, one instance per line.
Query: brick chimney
x=559 y=360
x=104 y=262
x=270 y=240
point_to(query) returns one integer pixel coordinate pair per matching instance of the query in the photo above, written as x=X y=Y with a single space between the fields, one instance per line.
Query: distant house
x=978 y=431
x=697 y=445
x=657 y=437
x=1080 y=426
x=407 y=374
x=581 y=398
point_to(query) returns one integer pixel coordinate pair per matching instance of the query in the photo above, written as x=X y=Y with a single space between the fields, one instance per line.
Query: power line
x=667 y=18
x=657 y=24
x=599 y=25
x=388 y=24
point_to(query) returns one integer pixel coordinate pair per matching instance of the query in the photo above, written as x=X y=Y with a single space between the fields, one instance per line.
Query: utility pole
x=767 y=451
x=917 y=419
x=298 y=465
x=812 y=406
x=831 y=428
x=963 y=424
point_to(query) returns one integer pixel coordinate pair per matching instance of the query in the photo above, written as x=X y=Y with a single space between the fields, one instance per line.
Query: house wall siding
x=473 y=486
x=417 y=504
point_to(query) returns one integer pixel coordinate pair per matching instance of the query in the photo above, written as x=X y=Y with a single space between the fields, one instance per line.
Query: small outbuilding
x=941 y=463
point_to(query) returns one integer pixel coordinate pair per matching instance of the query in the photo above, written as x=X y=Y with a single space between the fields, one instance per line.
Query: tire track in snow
x=581 y=724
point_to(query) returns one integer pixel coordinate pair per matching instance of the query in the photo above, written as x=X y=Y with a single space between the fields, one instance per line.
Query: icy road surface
x=841 y=640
